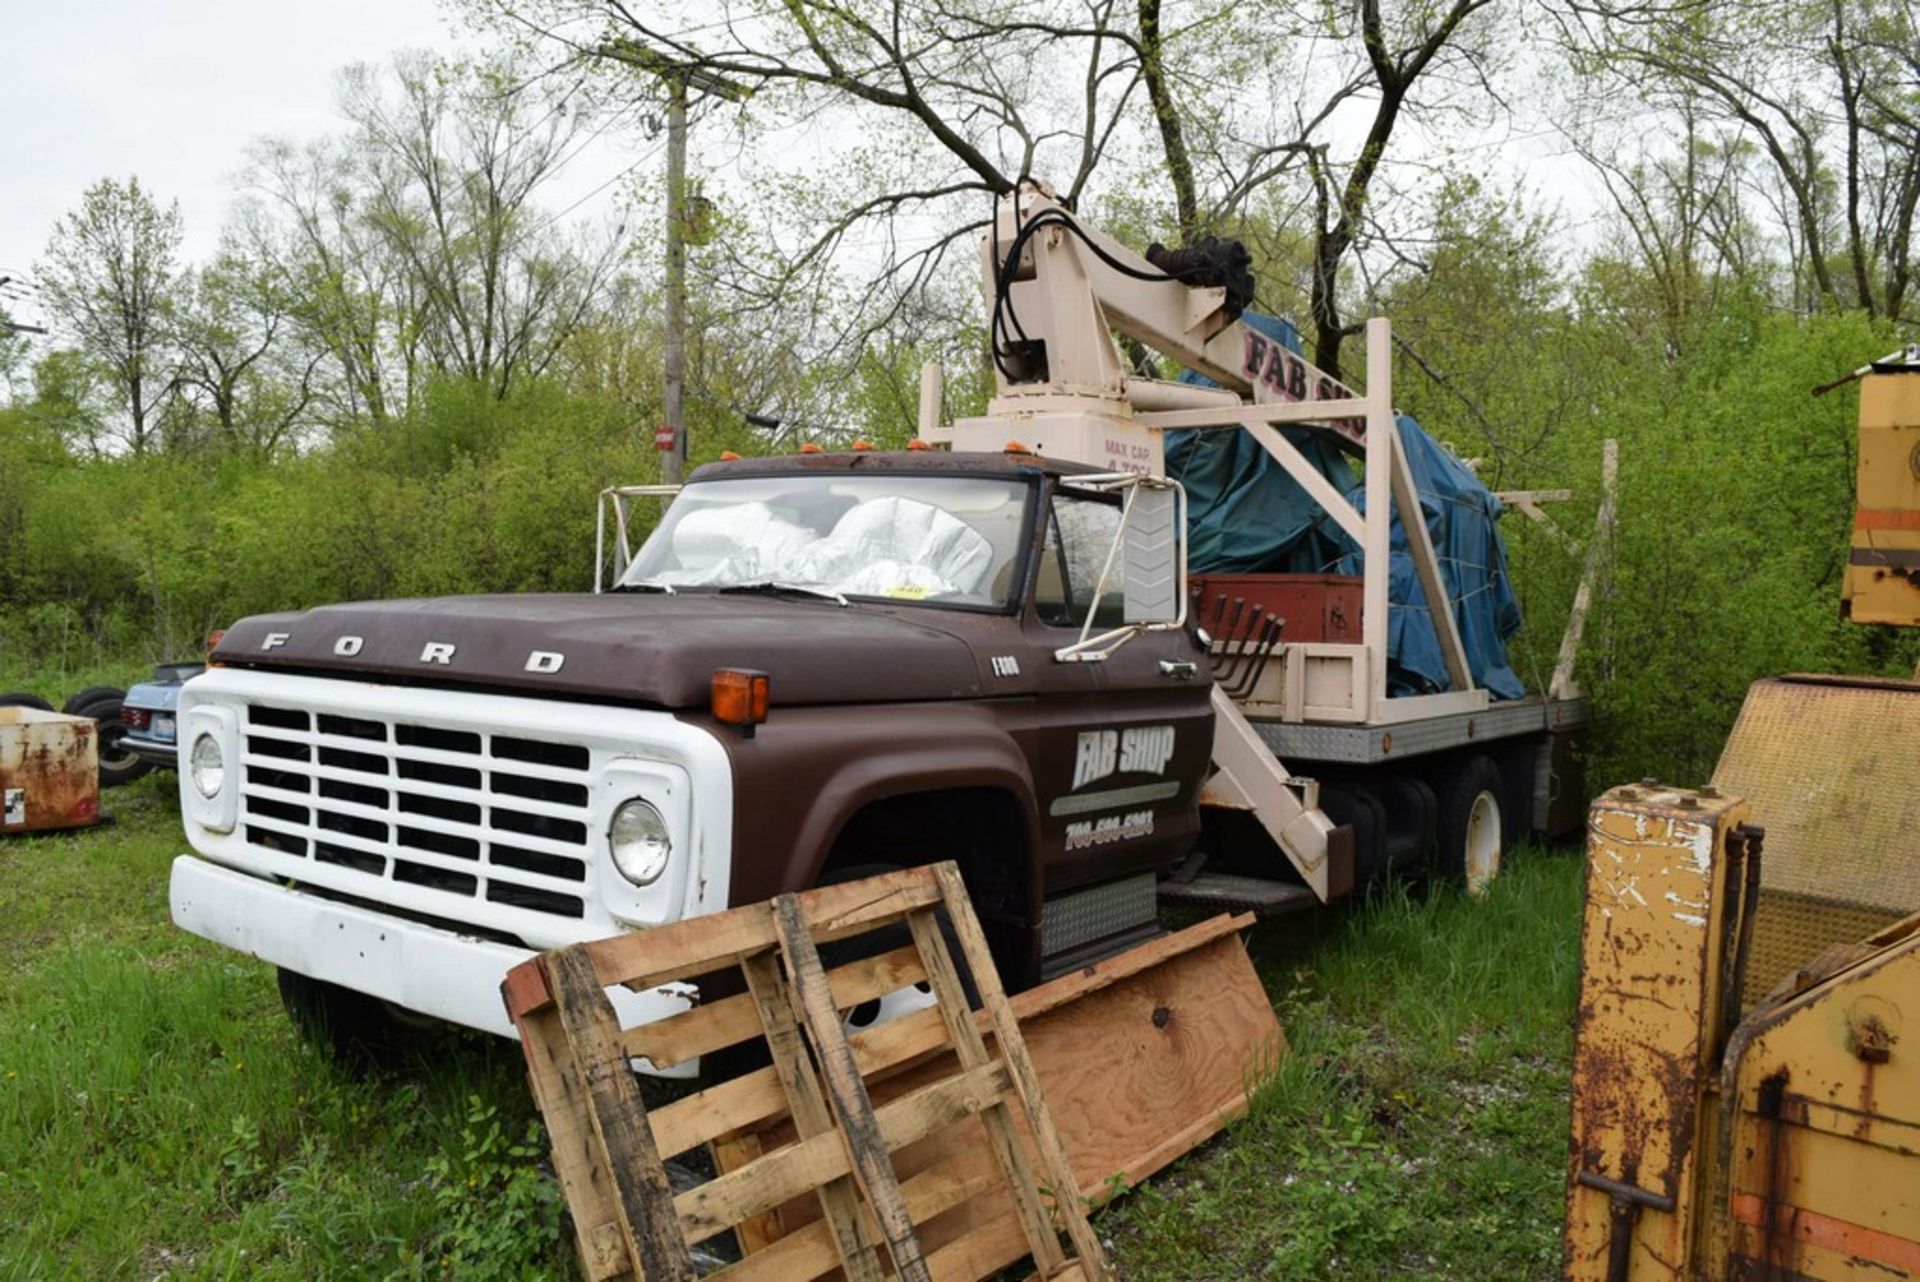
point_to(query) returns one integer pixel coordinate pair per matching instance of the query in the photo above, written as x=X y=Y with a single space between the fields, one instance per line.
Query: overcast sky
x=174 y=90
x=171 y=91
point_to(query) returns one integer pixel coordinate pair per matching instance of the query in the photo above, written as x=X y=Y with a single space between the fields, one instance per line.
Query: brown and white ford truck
x=814 y=665
x=823 y=665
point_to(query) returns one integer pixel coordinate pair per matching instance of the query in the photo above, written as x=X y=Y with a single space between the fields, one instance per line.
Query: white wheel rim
x=901 y=1001
x=1483 y=843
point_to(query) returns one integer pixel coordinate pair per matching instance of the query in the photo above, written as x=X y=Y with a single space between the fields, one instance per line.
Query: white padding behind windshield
x=734 y=543
x=888 y=544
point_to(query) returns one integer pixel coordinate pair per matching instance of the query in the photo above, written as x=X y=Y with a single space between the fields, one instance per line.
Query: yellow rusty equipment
x=1747 y=1066
x=1710 y=1140
x=1883 y=565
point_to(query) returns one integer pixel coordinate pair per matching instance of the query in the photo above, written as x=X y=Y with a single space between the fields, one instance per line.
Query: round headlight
x=206 y=767
x=638 y=838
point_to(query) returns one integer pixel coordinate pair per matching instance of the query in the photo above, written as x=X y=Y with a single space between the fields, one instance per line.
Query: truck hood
x=629 y=648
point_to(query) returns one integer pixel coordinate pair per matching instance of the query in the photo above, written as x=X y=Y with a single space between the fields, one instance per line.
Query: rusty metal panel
x=1822 y=1094
x=49 y=771
x=1653 y=942
x=1827 y=764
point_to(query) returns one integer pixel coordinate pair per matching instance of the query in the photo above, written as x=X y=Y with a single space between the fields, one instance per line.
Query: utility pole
x=674 y=389
x=680 y=79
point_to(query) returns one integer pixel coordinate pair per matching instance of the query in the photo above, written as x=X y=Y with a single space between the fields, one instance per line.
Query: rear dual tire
x=1473 y=829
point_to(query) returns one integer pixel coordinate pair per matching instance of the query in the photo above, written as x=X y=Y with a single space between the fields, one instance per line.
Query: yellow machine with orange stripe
x=1883 y=568
x=1747 y=1062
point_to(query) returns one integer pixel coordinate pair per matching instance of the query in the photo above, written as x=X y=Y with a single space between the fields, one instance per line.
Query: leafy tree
x=414 y=246
x=71 y=400
x=1821 y=91
x=350 y=300
x=454 y=157
x=109 y=279
x=237 y=360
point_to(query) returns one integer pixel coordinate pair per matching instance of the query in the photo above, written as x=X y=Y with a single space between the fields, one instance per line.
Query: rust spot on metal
x=1778 y=1213
x=49 y=771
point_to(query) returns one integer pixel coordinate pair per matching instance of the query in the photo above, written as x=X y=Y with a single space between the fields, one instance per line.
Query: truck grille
x=464 y=812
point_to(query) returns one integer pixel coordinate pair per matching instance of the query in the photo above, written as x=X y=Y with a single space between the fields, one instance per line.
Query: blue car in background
x=147 y=712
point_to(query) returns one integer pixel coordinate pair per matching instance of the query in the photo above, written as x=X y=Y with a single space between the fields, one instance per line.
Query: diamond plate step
x=1228 y=892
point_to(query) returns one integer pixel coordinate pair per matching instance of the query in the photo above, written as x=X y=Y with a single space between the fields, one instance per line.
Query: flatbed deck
x=1365 y=745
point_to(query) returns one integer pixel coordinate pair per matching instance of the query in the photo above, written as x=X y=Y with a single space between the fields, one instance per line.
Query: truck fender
x=842 y=763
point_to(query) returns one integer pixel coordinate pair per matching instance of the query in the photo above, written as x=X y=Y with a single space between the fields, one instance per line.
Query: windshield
x=945 y=540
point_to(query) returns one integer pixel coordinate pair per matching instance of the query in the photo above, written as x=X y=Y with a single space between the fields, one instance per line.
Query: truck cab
x=814 y=667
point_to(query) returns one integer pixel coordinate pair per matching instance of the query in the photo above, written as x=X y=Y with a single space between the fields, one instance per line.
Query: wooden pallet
x=1143 y=1056
x=608 y=1149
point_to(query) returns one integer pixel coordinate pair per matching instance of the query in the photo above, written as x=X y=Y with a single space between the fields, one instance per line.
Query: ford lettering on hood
x=658 y=650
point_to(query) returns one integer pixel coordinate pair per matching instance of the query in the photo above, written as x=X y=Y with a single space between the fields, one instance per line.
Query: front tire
x=353 y=1029
x=1473 y=829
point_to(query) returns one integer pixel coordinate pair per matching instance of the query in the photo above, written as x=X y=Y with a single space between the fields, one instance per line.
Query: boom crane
x=1057 y=292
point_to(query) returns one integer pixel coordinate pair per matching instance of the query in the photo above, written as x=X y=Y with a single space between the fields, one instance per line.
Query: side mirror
x=1147 y=559
x=1154 y=587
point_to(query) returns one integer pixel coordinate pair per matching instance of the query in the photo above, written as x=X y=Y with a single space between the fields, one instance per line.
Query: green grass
x=158 y=1117
x=1419 y=1127
x=57 y=684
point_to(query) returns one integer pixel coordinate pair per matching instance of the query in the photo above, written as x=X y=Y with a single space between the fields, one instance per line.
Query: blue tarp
x=1247 y=516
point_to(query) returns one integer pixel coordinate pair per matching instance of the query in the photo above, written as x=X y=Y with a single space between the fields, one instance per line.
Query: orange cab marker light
x=728 y=456
x=214 y=638
x=917 y=444
x=1015 y=447
x=811 y=447
x=862 y=445
x=740 y=698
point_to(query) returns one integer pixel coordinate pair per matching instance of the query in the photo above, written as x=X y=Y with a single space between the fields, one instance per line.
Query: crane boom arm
x=1057 y=289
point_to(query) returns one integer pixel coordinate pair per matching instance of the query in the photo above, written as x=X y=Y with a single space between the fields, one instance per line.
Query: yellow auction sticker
x=907 y=592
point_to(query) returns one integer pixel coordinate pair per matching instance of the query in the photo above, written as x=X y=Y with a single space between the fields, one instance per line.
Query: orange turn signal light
x=1015 y=447
x=728 y=456
x=811 y=447
x=740 y=697
x=917 y=444
x=862 y=445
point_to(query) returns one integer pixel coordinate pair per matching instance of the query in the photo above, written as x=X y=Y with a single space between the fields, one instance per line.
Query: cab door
x=1118 y=774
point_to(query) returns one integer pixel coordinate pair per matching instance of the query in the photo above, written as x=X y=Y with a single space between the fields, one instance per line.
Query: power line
x=602 y=187
x=13 y=327
x=573 y=155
